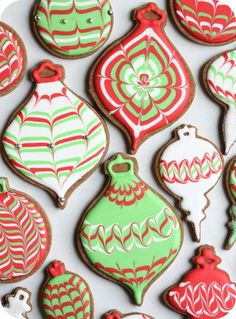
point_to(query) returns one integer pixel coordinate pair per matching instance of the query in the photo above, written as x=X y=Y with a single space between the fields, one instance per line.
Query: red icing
x=151 y=7
x=205 y=292
x=114 y=314
x=46 y=65
x=56 y=269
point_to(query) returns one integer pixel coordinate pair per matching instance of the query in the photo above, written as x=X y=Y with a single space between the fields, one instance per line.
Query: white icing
x=16 y=308
x=192 y=194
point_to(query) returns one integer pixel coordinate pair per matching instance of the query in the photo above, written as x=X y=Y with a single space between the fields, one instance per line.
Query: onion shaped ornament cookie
x=25 y=234
x=208 y=22
x=55 y=140
x=130 y=234
x=13 y=58
x=219 y=79
x=187 y=165
x=72 y=29
x=66 y=295
x=141 y=82
x=16 y=305
x=115 y=314
x=206 y=292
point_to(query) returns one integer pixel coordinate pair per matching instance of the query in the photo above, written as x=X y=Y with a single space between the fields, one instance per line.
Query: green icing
x=75 y=27
x=232 y=225
x=131 y=234
x=4 y=188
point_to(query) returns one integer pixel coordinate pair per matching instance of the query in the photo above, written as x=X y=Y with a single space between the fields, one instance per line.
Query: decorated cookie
x=209 y=22
x=55 y=139
x=72 y=29
x=206 y=292
x=115 y=314
x=130 y=234
x=219 y=79
x=16 y=305
x=187 y=165
x=12 y=55
x=66 y=295
x=25 y=234
x=141 y=82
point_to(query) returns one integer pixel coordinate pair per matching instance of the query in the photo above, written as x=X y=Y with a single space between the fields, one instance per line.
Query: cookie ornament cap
x=13 y=58
x=188 y=166
x=219 y=75
x=130 y=234
x=66 y=295
x=55 y=140
x=141 y=82
x=25 y=234
x=115 y=314
x=208 y=22
x=206 y=292
x=72 y=29
x=16 y=305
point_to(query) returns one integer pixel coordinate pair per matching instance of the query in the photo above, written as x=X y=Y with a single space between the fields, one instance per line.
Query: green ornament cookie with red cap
x=141 y=82
x=66 y=295
x=130 y=234
x=206 y=292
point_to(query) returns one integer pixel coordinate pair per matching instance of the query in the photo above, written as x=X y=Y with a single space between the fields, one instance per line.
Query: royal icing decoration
x=56 y=140
x=211 y=22
x=131 y=234
x=16 y=305
x=221 y=75
x=73 y=28
x=114 y=314
x=12 y=55
x=142 y=83
x=205 y=292
x=24 y=234
x=190 y=165
x=231 y=187
x=66 y=295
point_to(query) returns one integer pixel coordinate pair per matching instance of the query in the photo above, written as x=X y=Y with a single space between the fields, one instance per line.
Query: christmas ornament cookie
x=12 y=55
x=187 y=165
x=219 y=79
x=231 y=190
x=115 y=314
x=16 y=305
x=55 y=139
x=204 y=292
x=66 y=295
x=209 y=22
x=72 y=29
x=25 y=234
x=141 y=82
x=130 y=234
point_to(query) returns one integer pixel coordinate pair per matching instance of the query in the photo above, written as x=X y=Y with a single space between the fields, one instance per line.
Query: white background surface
x=204 y=113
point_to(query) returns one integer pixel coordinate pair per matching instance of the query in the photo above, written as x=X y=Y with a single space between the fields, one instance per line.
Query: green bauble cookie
x=131 y=234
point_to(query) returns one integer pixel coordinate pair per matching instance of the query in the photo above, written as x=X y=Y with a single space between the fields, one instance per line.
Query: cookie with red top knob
x=115 y=314
x=207 y=22
x=141 y=82
x=205 y=292
x=55 y=140
x=66 y=295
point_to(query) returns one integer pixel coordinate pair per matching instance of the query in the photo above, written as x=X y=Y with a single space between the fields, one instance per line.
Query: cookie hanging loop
x=48 y=72
x=187 y=131
x=4 y=186
x=207 y=258
x=56 y=268
x=121 y=166
x=151 y=14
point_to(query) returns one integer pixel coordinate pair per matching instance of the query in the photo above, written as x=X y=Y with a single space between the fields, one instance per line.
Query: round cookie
x=55 y=140
x=141 y=82
x=187 y=165
x=205 y=292
x=208 y=22
x=130 y=234
x=72 y=29
x=115 y=314
x=219 y=80
x=66 y=295
x=16 y=305
x=25 y=234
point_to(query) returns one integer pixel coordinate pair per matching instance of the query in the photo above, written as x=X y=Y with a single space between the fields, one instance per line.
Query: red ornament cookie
x=206 y=292
x=209 y=22
x=141 y=82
